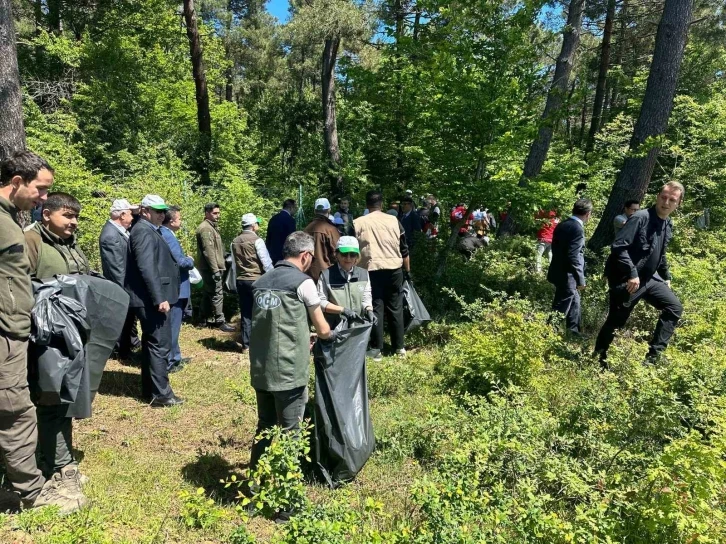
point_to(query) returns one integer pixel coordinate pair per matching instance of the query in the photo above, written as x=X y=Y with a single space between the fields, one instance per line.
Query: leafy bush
x=392 y=376
x=241 y=536
x=507 y=345
x=198 y=511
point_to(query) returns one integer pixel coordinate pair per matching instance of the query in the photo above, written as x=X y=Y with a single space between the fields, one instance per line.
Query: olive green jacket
x=16 y=293
x=50 y=255
x=209 y=248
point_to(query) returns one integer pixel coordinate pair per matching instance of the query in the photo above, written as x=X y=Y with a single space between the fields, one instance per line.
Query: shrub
x=507 y=345
x=198 y=511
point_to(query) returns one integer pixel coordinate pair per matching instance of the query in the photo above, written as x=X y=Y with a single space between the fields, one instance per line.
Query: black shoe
x=284 y=516
x=163 y=403
x=226 y=327
x=185 y=361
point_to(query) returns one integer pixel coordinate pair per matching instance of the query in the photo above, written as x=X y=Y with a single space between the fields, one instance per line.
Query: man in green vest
x=52 y=245
x=344 y=288
x=251 y=260
x=284 y=299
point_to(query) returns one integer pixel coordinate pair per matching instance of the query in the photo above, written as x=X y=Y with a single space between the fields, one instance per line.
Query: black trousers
x=129 y=338
x=567 y=301
x=387 y=290
x=244 y=292
x=657 y=294
x=155 y=349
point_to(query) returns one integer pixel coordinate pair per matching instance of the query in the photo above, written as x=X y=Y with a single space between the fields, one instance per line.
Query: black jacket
x=568 y=253
x=633 y=246
x=281 y=226
x=411 y=224
x=114 y=253
x=152 y=274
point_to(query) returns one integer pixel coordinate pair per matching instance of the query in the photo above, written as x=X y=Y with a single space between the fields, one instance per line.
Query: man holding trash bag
x=344 y=288
x=283 y=300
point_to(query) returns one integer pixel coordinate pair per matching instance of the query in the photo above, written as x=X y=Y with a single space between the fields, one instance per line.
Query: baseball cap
x=348 y=244
x=122 y=204
x=155 y=202
x=337 y=220
x=249 y=219
x=322 y=204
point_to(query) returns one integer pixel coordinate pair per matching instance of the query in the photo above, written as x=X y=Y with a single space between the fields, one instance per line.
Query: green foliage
x=395 y=377
x=276 y=484
x=198 y=511
x=508 y=344
x=241 y=535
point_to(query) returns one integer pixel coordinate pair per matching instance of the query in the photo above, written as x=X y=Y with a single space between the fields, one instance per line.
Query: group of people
x=636 y=269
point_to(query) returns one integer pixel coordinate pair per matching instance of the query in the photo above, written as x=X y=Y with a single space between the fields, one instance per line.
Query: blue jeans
x=176 y=314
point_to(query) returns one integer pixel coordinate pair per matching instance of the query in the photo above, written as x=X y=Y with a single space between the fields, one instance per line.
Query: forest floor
x=139 y=458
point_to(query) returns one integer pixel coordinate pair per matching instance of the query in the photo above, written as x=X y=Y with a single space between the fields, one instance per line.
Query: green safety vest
x=280 y=336
x=344 y=292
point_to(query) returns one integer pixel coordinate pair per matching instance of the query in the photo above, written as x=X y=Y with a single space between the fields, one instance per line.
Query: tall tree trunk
x=204 y=119
x=555 y=98
x=634 y=177
x=12 y=130
x=229 y=72
x=553 y=107
x=619 y=55
x=602 y=75
x=583 y=116
x=55 y=21
x=330 y=126
x=400 y=122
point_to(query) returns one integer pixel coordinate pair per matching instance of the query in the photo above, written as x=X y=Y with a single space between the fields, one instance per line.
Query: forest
x=495 y=428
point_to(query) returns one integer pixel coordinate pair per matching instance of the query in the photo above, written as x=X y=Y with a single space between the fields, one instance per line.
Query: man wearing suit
x=280 y=227
x=114 y=246
x=172 y=223
x=152 y=282
x=567 y=270
x=410 y=220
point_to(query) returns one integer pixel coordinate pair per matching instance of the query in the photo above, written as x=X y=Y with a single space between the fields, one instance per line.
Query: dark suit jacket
x=114 y=248
x=411 y=224
x=568 y=253
x=280 y=227
x=152 y=274
x=185 y=262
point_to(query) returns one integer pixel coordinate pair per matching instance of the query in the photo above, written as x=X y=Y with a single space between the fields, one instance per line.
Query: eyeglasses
x=349 y=254
x=311 y=253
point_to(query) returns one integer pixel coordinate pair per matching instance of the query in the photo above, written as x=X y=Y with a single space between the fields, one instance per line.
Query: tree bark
x=634 y=177
x=555 y=97
x=330 y=124
x=602 y=75
x=619 y=56
x=12 y=130
x=204 y=119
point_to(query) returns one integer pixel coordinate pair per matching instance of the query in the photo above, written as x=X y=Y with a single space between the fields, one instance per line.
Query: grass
x=139 y=458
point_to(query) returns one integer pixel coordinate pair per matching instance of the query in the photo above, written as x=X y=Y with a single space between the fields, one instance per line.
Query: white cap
x=154 y=201
x=322 y=204
x=249 y=219
x=348 y=244
x=409 y=192
x=121 y=205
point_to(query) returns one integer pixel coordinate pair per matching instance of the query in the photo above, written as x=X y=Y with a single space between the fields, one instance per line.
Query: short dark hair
x=169 y=214
x=374 y=198
x=288 y=204
x=210 y=207
x=629 y=203
x=59 y=201
x=407 y=200
x=582 y=206
x=24 y=164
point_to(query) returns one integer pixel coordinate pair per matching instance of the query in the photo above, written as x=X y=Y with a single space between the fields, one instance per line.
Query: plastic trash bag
x=230 y=272
x=57 y=356
x=195 y=278
x=343 y=431
x=414 y=312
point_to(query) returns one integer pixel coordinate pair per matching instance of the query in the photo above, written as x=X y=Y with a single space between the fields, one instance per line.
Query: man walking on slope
x=567 y=270
x=210 y=263
x=638 y=269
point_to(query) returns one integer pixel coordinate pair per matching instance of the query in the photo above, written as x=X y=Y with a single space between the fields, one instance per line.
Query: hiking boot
x=374 y=354
x=69 y=483
x=50 y=495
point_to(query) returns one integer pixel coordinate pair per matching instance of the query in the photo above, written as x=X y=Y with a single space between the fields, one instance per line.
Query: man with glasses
x=631 y=206
x=152 y=282
x=285 y=299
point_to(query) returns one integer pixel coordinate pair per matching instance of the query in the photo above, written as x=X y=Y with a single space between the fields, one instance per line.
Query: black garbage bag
x=343 y=431
x=57 y=357
x=105 y=305
x=414 y=312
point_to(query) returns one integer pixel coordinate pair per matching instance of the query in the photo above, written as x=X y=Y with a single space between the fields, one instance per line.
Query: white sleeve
x=367 y=299
x=308 y=293
x=321 y=293
x=263 y=254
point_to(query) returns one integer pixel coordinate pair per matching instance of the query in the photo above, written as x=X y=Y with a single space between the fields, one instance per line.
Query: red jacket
x=548 y=222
